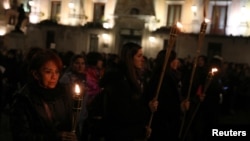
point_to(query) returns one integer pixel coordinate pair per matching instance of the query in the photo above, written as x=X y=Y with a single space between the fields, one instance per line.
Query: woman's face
x=48 y=75
x=138 y=59
x=79 y=65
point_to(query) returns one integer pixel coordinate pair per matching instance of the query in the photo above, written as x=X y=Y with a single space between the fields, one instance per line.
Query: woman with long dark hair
x=125 y=110
x=167 y=117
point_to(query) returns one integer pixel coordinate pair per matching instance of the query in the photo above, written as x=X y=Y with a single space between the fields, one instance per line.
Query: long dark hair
x=160 y=58
x=126 y=57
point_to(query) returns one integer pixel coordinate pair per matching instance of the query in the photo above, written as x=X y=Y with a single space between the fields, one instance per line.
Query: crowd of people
x=121 y=101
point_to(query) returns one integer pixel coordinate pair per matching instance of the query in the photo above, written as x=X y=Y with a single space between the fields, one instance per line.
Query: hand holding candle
x=175 y=29
x=209 y=78
x=200 y=43
x=76 y=105
x=207 y=84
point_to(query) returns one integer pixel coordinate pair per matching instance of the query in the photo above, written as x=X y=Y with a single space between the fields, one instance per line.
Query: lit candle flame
x=179 y=25
x=207 y=20
x=214 y=70
x=77 y=89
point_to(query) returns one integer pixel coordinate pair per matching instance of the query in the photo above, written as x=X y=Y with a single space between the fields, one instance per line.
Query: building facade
x=105 y=25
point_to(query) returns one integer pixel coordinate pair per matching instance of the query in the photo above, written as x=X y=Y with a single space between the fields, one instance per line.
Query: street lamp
x=6 y=4
x=71 y=5
x=31 y=3
x=194 y=9
x=34 y=15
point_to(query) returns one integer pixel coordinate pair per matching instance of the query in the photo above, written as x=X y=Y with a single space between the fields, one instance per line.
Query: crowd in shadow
x=119 y=94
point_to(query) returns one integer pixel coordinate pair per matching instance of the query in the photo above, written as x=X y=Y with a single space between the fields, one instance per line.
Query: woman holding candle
x=166 y=120
x=210 y=102
x=76 y=74
x=125 y=108
x=42 y=111
x=205 y=114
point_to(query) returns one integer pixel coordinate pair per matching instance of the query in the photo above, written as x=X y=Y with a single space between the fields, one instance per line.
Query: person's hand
x=67 y=136
x=153 y=105
x=185 y=104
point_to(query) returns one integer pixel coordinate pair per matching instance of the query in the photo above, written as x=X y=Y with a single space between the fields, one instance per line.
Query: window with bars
x=174 y=14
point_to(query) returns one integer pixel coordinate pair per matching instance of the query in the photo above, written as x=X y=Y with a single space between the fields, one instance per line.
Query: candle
x=179 y=25
x=207 y=20
x=209 y=78
x=76 y=106
x=204 y=27
x=77 y=90
x=214 y=70
x=175 y=29
x=77 y=97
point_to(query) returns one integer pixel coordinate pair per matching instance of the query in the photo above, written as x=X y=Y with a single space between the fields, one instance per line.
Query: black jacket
x=29 y=118
x=166 y=121
x=125 y=111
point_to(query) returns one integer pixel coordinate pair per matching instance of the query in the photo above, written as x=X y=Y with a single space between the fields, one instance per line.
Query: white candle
x=214 y=70
x=179 y=25
x=207 y=20
x=77 y=90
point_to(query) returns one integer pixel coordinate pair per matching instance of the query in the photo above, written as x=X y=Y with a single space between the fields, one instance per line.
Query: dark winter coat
x=166 y=120
x=124 y=110
x=29 y=119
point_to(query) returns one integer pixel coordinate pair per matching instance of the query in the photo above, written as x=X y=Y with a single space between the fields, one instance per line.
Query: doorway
x=213 y=49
